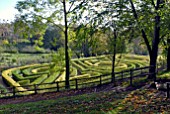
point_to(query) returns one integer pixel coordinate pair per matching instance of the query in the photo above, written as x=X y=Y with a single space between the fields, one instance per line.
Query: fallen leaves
x=148 y=100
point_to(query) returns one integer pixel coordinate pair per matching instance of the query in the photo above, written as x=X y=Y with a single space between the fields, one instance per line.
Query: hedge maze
x=84 y=68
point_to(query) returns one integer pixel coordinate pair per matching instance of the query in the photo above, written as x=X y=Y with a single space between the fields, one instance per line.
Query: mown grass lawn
x=88 y=103
x=142 y=100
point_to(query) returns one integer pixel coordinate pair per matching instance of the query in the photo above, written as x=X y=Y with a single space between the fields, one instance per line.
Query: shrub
x=78 y=66
x=73 y=72
x=89 y=63
x=82 y=64
x=24 y=82
x=7 y=76
x=52 y=77
x=17 y=76
x=80 y=76
x=61 y=77
x=40 y=79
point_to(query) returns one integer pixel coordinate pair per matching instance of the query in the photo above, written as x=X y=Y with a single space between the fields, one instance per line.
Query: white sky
x=7 y=9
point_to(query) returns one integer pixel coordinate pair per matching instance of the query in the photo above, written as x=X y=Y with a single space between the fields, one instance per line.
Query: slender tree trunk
x=86 y=48
x=155 y=43
x=114 y=58
x=168 y=55
x=66 y=48
x=153 y=52
x=142 y=30
x=86 y=52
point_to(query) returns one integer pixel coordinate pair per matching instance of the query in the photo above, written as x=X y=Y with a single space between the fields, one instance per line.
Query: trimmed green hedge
x=17 y=76
x=73 y=72
x=52 y=77
x=80 y=76
x=61 y=77
x=24 y=82
x=82 y=64
x=40 y=79
x=80 y=68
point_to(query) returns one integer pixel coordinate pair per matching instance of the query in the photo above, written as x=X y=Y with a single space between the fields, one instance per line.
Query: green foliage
x=57 y=61
x=84 y=69
x=53 y=38
x=52 y=78
x=100 y=102
x=24 y=82
x=17 y=76
x=40 y=79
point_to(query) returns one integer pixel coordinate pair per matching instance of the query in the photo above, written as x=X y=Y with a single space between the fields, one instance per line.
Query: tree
x=106 y=14
x=53 y=38
x=152 y=9
x=166 y=51
x=112 y=38
x=85 y=40
x=54 y=12
x=147 y=16
x=168 y=55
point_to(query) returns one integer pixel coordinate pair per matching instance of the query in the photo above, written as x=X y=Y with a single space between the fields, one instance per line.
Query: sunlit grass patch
x=101 y=102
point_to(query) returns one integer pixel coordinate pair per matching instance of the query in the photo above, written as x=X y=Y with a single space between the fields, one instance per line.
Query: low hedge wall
x=7 y=76
x=61 y=77
x=40 y=79
x=52 y=77
x=24 y=82
x=78 y=66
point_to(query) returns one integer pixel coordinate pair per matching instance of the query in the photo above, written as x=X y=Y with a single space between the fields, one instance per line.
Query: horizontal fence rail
x=126 y=75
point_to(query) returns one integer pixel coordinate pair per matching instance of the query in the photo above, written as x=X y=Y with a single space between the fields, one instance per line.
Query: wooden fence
x=168 y=89
x=126 y=75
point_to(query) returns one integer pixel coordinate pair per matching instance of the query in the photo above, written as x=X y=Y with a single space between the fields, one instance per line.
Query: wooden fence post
x=76 y=83
x=131 y=75
x=35 y=89
x=141 y=71
x=57 y=86
x=167 y=90
x=13 y=89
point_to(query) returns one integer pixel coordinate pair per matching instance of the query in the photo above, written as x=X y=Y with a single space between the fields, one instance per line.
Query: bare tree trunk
x=114 y=58
x=143 y=32
x=153 y=52
x=66 y=48
x=155 y=43
x=85 y=46
x=168 y=55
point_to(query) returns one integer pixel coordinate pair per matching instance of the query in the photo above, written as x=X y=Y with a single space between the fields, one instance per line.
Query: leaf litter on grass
x=144 y=101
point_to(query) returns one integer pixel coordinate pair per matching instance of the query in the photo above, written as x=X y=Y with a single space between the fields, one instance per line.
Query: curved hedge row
x=8 y=76
x=80 y=68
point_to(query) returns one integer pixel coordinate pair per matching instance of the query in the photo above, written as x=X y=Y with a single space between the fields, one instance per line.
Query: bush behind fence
x=75 y=84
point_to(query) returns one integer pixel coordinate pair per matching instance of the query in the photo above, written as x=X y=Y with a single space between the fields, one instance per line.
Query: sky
x=7 y=9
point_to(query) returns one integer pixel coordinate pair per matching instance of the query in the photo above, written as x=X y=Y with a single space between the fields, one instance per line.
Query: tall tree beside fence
x=51 y=12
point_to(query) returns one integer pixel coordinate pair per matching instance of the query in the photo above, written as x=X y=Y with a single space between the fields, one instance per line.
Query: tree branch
x=161 y=38
x=133 y=10
x=77 y=6
x=52 y=23
x=153 y=4
x=143 y=32
x=71 y=6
